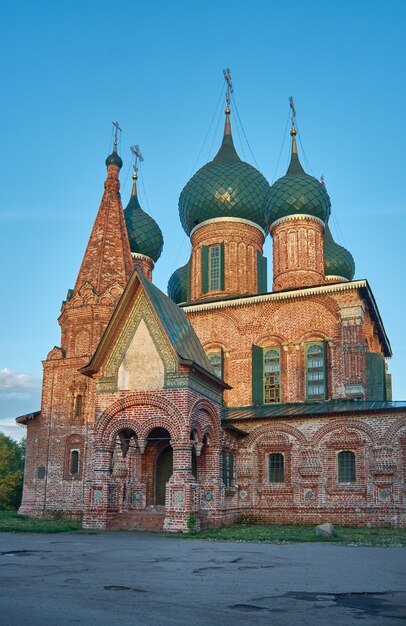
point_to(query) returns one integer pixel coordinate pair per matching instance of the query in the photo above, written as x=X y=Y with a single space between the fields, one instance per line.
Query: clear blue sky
x=70 y=68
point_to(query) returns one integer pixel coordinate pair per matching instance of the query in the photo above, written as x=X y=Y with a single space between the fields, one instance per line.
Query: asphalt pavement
x=146 y=579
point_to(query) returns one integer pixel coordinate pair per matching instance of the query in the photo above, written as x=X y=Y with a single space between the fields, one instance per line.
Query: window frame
x=264 y=374
x=213 y=352
x=343 y=468
x=71 y=452
x=228 y=468
x=317 y=382
x=279 y=471
x=78 y=406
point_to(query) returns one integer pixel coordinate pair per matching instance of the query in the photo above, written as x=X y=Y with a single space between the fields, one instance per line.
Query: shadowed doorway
x=163 y=472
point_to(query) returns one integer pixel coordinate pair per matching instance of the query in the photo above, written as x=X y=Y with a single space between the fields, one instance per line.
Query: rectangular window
x=216 y=362
x=276 y=468
x=227 y=467
x=272 y=378
x=74 y=462
x=346 y=467
x=214 y=268
x=315 y=372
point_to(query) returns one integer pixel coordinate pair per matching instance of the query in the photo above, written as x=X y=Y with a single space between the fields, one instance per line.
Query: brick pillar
x=143 y=264
x=298 y=252
x=354 y=350
x=97 y=490
x=181 y=502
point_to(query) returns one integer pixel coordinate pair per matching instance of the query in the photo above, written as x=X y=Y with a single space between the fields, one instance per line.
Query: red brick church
x=221 y=401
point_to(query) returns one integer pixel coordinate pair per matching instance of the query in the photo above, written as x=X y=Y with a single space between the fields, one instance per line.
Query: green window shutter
x=221 y=266
x=262 y=273
x=257 y=375
x=224 y=466
x=376 y=378
x=205 y=269
x=230 y=469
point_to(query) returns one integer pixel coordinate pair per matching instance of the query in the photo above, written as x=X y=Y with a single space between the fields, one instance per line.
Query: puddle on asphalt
x=123 y=588
x=24 y=552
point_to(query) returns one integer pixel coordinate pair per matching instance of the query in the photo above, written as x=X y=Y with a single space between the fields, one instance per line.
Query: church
x=221 y=401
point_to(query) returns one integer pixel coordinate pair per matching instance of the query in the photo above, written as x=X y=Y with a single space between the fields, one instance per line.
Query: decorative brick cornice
x=238 y=220
x=295 y=218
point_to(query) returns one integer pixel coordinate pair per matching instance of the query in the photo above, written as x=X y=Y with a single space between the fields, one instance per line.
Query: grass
x=11 y=522
x=275 y=533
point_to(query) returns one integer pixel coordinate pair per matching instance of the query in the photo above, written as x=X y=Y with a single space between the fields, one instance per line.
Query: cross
x=117 y=127
x=138 y=156
x=227 y=76
x=292 y=107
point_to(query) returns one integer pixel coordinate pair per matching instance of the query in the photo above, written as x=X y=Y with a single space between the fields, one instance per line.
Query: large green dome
x=178 y=284
x=297 y=193
x=144 y=234
x=337 y=260
x=225 y=187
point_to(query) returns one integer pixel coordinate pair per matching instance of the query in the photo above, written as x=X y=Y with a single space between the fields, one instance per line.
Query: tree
x=12 y=455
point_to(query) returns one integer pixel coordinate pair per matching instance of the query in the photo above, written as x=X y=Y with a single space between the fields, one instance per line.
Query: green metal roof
x=144 y=234
x=176 y=325
x=297 y=193
x=225 y=187
x=299 y=409
x=338 y=261
x=114 y=159
x=178 y=285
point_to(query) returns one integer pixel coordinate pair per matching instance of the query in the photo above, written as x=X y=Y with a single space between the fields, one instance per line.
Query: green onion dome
x=113 y=158
x=224 y=187
x=178 y=284
x=144 y=234
x=337 y=260
x=297 y=193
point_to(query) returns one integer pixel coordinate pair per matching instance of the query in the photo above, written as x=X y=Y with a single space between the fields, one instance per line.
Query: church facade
x=220 y=401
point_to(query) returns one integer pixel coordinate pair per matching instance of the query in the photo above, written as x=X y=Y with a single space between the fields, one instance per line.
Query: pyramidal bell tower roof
x=107 y=259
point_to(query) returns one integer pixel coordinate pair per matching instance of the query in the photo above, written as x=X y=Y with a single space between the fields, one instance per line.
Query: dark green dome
x=297 y=193
x=178 y=284
x=144 y=234
x=114 y=159
x=337 y=260
x=225 y=187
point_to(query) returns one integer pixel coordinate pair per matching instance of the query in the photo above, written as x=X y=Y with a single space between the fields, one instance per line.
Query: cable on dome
x=143 y=189
x=280 y=151
x=245 y=136
x=208 y=132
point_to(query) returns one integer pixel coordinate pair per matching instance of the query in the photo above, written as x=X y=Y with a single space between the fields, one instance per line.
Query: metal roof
x=298 y=409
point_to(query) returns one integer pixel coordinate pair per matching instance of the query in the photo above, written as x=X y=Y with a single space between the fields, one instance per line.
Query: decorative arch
x=212 y=425
x=270 y=429
x=394 y=431
x=138 y=400
x=338 y=425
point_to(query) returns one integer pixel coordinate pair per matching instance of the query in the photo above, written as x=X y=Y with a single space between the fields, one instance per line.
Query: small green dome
x=178 y=284
x=144 y=234
x=224 y=187
x=297 y=193
x=114 y=159
x=337 y=260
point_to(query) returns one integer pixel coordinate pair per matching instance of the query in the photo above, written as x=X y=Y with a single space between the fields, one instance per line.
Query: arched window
x=78 y=406
x=74 y=462
x=346 y=467
x=315 y=372
x=276 y=468
x=216 y=361
x=272 y=376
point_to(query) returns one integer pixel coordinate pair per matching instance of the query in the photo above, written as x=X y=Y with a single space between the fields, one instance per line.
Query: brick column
x=354 y=350
x=143 y=264
x=97 y=490
x=181 y=502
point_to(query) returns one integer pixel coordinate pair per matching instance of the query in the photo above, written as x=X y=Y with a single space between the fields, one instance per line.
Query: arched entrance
x=163 y=472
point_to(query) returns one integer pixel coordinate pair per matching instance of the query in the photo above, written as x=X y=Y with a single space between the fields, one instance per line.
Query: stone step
x=142 y=520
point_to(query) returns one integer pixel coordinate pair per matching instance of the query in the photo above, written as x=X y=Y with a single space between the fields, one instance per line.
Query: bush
x=11 y=472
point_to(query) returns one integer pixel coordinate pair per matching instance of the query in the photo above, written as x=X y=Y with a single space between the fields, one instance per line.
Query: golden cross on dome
x=227 y=76
x=117 y=128
x=135 y=150
x=293 y=110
